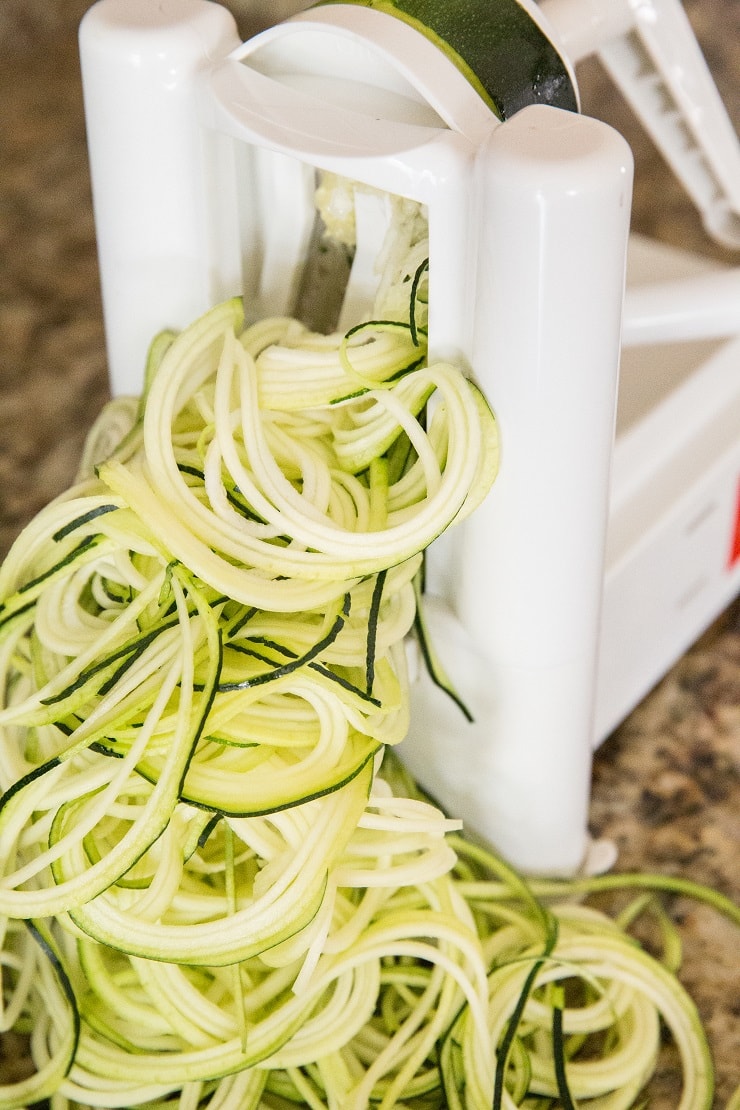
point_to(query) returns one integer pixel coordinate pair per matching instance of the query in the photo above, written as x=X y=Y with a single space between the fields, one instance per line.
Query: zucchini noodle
x=218 y=888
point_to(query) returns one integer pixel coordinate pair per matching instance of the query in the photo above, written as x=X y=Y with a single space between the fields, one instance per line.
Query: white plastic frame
x=528 y=232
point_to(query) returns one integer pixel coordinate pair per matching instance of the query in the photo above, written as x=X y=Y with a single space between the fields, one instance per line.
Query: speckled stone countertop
x=666 y=785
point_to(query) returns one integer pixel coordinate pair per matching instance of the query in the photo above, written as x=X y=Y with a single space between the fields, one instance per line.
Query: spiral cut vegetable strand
x=216 y=889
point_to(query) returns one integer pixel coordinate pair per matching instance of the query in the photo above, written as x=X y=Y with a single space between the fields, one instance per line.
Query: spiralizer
x=590 y=566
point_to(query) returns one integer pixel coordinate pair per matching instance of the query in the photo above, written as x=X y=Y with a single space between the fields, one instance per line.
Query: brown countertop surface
x=665 y=785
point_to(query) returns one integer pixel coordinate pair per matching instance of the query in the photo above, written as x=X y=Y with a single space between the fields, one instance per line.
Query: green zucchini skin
x=496 y=44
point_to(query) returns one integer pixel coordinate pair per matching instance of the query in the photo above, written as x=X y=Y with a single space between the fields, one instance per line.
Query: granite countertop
x=665 y=785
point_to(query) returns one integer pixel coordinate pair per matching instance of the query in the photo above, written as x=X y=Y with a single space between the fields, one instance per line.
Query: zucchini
x=499 y=45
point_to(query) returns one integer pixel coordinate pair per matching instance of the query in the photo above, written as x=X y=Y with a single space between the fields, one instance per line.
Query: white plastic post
x=156 y=228
x=519 y=632
x=706 y=306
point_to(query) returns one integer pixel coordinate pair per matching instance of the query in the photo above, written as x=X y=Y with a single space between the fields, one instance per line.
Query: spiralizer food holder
x=204 y=152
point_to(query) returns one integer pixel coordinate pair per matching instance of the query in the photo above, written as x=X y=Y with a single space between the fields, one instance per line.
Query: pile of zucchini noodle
x=219 y=887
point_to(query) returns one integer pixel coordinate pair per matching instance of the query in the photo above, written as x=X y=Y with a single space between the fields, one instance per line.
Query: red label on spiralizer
x=735 y=545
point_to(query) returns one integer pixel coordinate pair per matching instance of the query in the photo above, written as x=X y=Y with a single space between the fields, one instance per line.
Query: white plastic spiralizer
x=592 y=564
